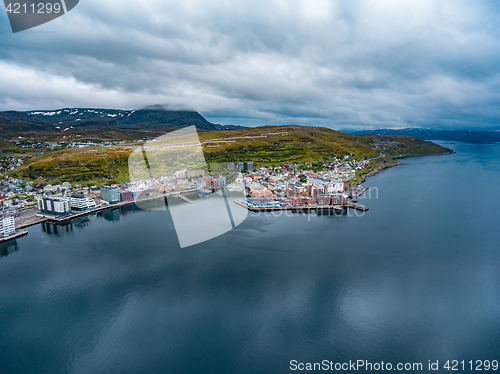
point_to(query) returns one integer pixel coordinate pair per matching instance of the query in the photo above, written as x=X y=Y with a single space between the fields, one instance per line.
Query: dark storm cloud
x=358 y=63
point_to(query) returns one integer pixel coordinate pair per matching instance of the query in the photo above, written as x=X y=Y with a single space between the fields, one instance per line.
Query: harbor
x=44 y=217
x=301 y=208
x=33 y=218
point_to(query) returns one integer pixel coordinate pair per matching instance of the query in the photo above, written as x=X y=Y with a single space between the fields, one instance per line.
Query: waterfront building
x=54 y=206
x=298 y=200
x=110 y=194
x=143 y=192
x=126 y=195
x=262 y=202
x=332 y=199
x=222 y=181
x=80 y=203
x=7 y=225
x=211 y=183
x=258 y=190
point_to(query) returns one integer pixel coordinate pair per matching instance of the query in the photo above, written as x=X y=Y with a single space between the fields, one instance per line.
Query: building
x=54 y=206
x=336 y=187
x=181 y=174
x=80 y=203
x=301 y=201
x=195 y=173
x=7 y=225
x=211 y=183
x=258 y=190
x=240 y=166
x=262 y=202
x=143 y=192
x=332 y=199
x=250 y=166
x=222 y=181
x=126 y=195
x=231 y=166
x=110 y=194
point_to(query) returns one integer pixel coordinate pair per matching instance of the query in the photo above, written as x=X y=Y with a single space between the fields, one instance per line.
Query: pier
x=44 y=217
x=184 y=198
x=305 y=208
x=17 y=234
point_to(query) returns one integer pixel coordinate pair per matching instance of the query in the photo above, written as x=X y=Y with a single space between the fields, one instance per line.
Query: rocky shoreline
x=364 y=176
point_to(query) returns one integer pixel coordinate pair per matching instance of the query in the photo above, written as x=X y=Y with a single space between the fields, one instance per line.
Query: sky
x=351 y=64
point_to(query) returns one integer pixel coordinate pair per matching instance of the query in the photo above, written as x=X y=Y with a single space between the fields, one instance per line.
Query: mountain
x=470 y=136
x=88 y=119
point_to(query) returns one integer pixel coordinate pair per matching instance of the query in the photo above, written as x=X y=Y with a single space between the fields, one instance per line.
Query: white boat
x=204 y=191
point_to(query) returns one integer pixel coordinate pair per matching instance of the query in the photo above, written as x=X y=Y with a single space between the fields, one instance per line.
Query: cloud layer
x=390 y=63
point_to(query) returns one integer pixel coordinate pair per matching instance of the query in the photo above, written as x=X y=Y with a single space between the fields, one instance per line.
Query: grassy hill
x=268 y=145
x=89 y=166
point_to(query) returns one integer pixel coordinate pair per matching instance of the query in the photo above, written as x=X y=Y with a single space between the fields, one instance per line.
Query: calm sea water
x=416 y=278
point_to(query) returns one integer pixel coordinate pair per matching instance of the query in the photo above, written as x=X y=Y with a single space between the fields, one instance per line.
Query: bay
x=416 y=278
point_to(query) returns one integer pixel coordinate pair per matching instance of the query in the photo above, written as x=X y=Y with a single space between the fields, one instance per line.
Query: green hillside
x=88 y=166
x=265 y=146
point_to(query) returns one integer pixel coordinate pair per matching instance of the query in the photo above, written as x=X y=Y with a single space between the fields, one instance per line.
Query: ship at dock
x=204 y=191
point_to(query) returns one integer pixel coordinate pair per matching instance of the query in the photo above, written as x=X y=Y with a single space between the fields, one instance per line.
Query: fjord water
x=416 y=278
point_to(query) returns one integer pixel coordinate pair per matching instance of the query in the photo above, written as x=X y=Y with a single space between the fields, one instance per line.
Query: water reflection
x=8 y=247
x=83 y=221
x=57 y=228
x=111 y=214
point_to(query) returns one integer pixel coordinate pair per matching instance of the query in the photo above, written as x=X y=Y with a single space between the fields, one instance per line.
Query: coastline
x=423 y=154
x=39 y=217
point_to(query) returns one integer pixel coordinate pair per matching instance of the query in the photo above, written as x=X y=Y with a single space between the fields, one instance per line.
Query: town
x=329 y=184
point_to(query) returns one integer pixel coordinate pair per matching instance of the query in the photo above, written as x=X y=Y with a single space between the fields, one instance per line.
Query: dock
x=44 y=217
x=304 y=208
x=184 y=198
x=18 y=234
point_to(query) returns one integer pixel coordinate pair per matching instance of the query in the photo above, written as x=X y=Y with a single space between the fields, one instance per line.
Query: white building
x=335 y=187
x=7 y=226
x=54 y=206
x=80 y=202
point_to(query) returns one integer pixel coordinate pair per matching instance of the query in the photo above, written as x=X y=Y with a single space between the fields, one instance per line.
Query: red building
x=301 y=200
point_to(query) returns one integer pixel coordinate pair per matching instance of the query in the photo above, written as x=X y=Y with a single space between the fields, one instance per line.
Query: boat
x=204 y=191
x=338 y=207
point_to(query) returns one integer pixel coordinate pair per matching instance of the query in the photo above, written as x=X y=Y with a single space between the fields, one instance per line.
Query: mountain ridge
x=86 y=119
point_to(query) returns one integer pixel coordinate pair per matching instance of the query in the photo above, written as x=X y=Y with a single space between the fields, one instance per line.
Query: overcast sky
x=341 y=64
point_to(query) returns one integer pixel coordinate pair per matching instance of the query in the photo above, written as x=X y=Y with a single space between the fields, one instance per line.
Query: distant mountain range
x=88 y=119
x=470 y=136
